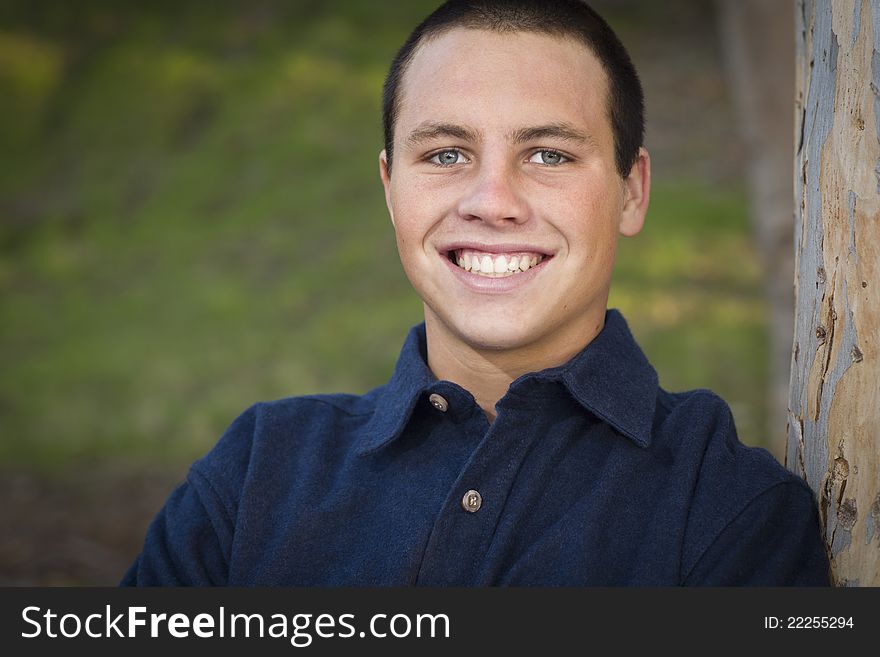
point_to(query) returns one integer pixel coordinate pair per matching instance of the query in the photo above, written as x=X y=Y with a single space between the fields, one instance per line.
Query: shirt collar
x=610 y=377
x=396 y=403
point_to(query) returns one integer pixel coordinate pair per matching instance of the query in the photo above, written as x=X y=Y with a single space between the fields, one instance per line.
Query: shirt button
x=472 y=501
x=438 y=402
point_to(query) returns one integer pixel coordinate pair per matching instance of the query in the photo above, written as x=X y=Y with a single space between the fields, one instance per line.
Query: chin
x=493 y=339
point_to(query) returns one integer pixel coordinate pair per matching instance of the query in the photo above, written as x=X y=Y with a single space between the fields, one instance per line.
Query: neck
x=487 y=373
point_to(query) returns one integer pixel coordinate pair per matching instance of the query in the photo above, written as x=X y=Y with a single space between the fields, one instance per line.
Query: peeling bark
x=834 y=403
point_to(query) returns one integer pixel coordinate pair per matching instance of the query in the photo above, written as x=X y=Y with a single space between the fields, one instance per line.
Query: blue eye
x=548 y=158
x=447 y=158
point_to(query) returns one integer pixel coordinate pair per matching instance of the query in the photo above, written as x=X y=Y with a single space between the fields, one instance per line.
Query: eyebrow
x=561 y=131
x=432 y=130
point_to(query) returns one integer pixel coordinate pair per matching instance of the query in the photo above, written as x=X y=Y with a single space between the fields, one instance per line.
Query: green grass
x=191 y=220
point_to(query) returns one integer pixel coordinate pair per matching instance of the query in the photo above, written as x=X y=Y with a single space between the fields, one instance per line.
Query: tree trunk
x=834 y=406
x=757 y=38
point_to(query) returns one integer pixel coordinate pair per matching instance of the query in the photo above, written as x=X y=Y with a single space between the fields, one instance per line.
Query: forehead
x=478 y=76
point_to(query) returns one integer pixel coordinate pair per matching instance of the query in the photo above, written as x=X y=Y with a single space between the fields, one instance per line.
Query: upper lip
x=507 y=247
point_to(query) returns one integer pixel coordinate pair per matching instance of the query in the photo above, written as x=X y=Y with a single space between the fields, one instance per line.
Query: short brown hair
x=568 y=18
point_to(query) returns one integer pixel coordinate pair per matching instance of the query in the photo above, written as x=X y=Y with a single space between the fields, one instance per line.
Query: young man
x=523 y=438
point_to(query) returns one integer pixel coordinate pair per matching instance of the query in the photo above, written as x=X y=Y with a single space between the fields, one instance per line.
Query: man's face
x=504 y=192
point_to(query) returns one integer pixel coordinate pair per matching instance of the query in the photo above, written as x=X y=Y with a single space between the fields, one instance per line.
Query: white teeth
x=495 y=266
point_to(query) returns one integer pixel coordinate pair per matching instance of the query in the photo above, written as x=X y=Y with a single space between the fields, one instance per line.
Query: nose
x=494 y=196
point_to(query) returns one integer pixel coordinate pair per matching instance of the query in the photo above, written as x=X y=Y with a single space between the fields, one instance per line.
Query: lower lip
x=490 y=285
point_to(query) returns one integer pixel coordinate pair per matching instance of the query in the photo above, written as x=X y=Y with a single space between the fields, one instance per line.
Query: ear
x=637 y=191
x=385 y=175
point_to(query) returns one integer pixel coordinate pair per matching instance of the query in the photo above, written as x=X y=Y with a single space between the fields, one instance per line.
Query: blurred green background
x=191 y=220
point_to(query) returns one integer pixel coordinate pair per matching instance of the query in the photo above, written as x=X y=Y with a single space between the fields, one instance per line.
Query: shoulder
x=291 y=418
x=272 y=437
x=698 y=425
x=701 y=423
x=732 y=483
x=311 y=414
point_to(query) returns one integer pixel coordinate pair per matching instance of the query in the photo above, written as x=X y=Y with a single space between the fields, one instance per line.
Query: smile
x=494 y=265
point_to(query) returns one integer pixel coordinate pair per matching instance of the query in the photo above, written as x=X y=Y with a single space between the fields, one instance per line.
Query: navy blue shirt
x=590 y=475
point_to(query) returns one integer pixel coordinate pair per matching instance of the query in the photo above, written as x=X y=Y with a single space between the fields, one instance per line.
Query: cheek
x=590 y=221
x=410 y=227
x=417 y=208
x=404 y=242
